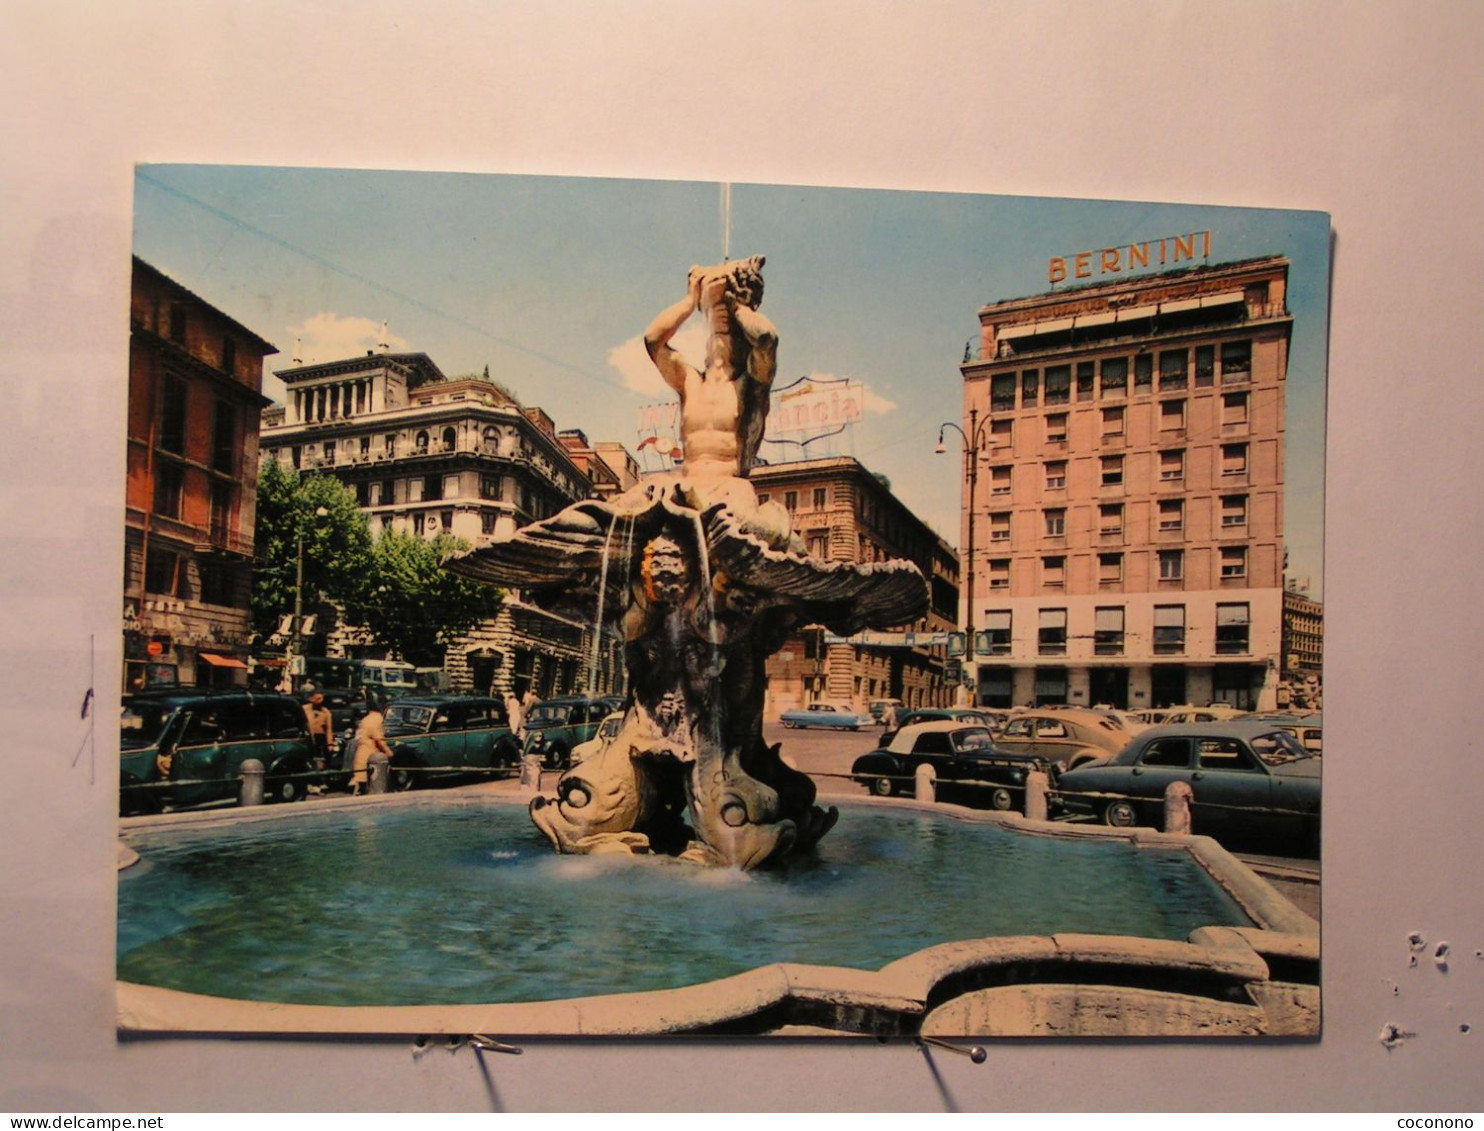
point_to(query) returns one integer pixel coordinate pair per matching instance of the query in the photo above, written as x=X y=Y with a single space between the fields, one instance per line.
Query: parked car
x=1069 y=736
x=1149 y=717
x=959 y=753
x=186 y=746
x=607 y=731
x=994 y=720
x=1214 y=713
x=432 y=735
x=1244 y=776
x=838 y=716
x=553 y=727
x=1308 y=729
x=878 y=707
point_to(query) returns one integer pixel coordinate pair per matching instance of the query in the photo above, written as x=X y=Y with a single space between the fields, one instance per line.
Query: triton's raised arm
x=762 y=337
x=673 y=368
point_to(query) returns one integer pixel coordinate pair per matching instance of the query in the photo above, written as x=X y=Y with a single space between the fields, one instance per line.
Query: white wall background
x=1372 y=112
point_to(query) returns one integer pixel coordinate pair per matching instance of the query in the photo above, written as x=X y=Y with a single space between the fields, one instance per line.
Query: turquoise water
x=467 y=903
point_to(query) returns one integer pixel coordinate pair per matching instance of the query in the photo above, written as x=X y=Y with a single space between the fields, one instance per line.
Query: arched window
x=450 y=439
x=491 y=439
x=422 y=441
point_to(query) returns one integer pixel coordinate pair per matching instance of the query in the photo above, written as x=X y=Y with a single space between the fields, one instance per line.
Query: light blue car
x=838 y=716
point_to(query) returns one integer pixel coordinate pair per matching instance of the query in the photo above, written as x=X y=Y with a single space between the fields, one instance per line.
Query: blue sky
x=549 y=282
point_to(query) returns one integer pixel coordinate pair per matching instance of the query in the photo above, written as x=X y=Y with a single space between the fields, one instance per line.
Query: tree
x=336 y=541
x=411 y=604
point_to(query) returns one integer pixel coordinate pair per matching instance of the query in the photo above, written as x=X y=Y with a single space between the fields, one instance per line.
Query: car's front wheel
x=286 y=787
x=400 y=778
x=1120 y=814
x=1001 y=799
x=557 y=758
x=883 y=787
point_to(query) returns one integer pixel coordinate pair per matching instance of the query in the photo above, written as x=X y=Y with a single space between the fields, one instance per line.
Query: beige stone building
x=1128 y=511
x=843 y=512
x=1303 y=635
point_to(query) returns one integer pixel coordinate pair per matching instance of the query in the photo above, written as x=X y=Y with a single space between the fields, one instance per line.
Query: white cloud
x=871 y=402
x=327 y=336
x=631 y=360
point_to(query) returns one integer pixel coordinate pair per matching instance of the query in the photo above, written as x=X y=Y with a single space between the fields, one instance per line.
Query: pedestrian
x=889 y=716
x=514 y=710
x=370 y=737
x=321 y=729
x=527 y=701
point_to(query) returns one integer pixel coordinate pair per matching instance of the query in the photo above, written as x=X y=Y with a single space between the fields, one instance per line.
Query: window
x=1056 y=522
x=164 y=572
x=1169 y=630
x=421 y=442
x=999 y=526
x=419 y=524
x=1143 y=372
x=1053 y=571
x=1171 y=516
x=450 y=486
x=169 y=488
x=1084 y=380
x=450 y=439
x=1171 y=565
x=491 y=487
x=1056 y=475
x=218 y=584
x=1056 y=428
x=1000 y=432
x=1236 y=361
x=1030 y=383
x=224 y=437
x=1172 y=466
x=487 y=520
x=1051 y=638
x=1115 y=376
x=1233 y=562
x=1058 y=384
x=1171 y=752
x=363 y=494
x=1233 y=459
x=790 y=501
x=390 y=443
x=1205 y=366
x=296 y=455
x=329 y=451
x=821 y=498
x=365 y=446
x=1222 y=754
x=1233 y=629
x=1110 y=569
x=1233 y=510
x=999 y=573
x=999 y=480
x=1112 y=471
x=1113 y=421
x=1173 y=369
x=1110 y=518
x=1107 y=637
x=221 y=509
x=178 y=323
x=1002 y=392
x=433 y=488
x=763 y=498
x=1234 y=408
x=997 y=632
x=173 y=416
x=388 y=492
x=1171 y=415
x=819 y=546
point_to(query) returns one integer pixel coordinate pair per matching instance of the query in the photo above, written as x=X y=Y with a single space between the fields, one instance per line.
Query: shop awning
x=1178 y=305
x=1223 y=298
x=1105 y=318
x=222 y=661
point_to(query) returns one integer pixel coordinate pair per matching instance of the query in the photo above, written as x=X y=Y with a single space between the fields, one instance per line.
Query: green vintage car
x=186 y=746
x=440 y=735
x=553 y=727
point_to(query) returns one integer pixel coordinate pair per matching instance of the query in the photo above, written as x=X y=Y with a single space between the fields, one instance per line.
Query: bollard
x=252 y=782
x=1178 y=795
x=1036 y=785
x=530 y=774
x=380 y=771
x=927 y=787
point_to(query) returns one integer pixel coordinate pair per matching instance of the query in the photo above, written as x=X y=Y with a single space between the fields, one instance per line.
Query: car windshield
x=1279 y=747
x=610 y=727
x=141 y=724
x=973 y=739
x=546 y=714
x=414 y=718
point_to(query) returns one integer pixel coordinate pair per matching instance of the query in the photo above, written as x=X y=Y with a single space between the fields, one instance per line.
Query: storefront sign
x=1163 y=252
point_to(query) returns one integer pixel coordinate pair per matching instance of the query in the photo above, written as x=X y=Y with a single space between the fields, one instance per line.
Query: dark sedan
x=971 y=770
x=1247 y=779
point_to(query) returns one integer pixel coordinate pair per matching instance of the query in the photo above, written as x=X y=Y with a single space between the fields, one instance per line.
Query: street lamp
x=296 y=640
x=973 y=442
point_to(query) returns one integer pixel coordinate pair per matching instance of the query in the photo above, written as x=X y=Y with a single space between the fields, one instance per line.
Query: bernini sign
x=1163 y=252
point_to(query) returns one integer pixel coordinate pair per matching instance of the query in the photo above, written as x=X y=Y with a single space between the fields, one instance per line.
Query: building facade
x=1128 y=516
x=1303 y=650
x=842 y=512
x=195 y=381
x=426 y=454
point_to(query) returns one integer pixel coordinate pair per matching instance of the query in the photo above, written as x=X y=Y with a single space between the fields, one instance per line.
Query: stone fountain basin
x=1220 y=980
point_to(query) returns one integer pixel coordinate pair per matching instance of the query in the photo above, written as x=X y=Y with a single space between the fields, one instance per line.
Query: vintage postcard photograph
x=579 y=607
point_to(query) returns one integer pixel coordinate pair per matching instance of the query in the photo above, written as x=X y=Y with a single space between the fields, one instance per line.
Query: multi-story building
x=1128 y=517
x=842 y=512
x=1303 y=646
x=195 y=381
x=426 y=454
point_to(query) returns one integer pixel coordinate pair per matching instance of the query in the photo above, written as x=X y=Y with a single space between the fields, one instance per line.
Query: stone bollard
x=927 y=783
x=1178 y=795
x=530 y=774
x=252 y=782
x=1036 y=785
x=379 y=769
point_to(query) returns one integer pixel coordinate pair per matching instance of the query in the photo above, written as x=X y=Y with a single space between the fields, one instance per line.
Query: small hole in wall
x=1465 y=1028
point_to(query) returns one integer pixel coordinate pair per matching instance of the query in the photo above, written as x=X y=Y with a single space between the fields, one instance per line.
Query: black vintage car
x=971 y=770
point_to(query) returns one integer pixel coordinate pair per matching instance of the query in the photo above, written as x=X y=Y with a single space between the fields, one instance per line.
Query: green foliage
x=412 y=605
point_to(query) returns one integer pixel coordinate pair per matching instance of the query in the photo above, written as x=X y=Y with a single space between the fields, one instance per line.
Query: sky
x=550 y=282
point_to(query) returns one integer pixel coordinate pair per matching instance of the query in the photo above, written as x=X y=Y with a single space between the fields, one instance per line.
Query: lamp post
x=296 y=640
x=973 y=441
